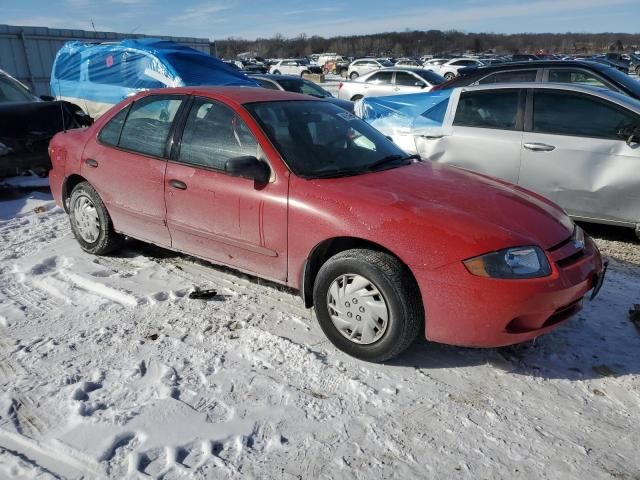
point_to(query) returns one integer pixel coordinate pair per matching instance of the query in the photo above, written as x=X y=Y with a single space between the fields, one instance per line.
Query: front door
x=575 y=153
x=127 y=163
x=379 y=84
x=229 y=220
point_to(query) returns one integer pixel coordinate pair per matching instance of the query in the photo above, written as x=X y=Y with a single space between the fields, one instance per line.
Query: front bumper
x=466 y=310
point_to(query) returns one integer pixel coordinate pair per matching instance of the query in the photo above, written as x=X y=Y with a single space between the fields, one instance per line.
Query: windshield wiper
x=391 y=159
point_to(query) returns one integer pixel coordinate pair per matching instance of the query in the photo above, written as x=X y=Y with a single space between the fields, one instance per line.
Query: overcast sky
x=251 y=19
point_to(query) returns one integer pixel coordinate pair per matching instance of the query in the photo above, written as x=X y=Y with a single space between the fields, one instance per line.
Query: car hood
x=462 y=203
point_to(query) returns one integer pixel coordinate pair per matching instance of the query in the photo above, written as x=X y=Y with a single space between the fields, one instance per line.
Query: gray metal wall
x=28 y=53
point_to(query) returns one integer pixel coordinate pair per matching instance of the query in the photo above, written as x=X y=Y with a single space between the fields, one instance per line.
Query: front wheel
x=90 y=221
x=449 y=76
x=354 y=75
x=368 y=304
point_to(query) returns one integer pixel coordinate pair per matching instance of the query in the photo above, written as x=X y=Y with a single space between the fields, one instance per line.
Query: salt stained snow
x=109 y=370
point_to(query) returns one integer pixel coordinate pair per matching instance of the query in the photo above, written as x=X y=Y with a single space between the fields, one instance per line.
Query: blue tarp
x=396 y=113
x=106 y=73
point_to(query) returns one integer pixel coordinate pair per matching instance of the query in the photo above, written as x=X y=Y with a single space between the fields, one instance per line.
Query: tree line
x=431 y=42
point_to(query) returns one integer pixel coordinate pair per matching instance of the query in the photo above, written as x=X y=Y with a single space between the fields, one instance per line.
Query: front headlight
x=517 y=262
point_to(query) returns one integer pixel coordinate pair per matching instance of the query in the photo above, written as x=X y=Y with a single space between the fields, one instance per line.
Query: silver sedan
x=578 y=146
x=389 y=81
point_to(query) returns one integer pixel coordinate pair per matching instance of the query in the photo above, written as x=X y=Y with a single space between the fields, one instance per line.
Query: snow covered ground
x=108 y=369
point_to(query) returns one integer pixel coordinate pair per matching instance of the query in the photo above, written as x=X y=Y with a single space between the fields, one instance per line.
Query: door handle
x=90 y=162
x=178 y=184
x=539 y=147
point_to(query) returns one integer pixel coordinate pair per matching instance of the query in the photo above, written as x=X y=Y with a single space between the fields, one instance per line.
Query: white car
x=434 y=63
x=362 y=66
x=294 y=66
x=389 y=81
x=449 y=69
x=408 y=63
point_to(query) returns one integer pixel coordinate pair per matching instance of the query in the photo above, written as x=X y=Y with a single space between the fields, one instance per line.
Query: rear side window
x=580 y=115
x=408 y=80
x=266 y=84
x=490 y=109
x=110 y=133
x=148 y=123
x=68 y=67
x=582 y=77
x=380 y=78
x=213 y=134
x=512 y=76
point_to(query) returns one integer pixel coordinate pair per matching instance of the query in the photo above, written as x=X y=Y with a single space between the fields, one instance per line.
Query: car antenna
x=64 y=128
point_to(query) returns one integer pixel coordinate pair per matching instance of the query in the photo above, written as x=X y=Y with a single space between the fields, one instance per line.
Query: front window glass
x=508 y=77
x=431 y=77
x=380 y=78
x=582 y=77
x=407 y=80
x=579 y=115
x=213 y=134
x=319 y=139
x=110 y=133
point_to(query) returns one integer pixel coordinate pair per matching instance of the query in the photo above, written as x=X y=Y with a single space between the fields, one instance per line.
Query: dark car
x=581 y=72
x=524 y=57
x=291 y=83
x=27 y=123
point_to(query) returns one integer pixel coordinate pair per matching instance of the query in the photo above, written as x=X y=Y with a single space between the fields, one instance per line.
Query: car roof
x=535 y=64
x=602 y=92
x=239 y=95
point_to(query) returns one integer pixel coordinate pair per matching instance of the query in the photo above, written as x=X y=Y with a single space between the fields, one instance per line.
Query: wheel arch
x=327 y=249
x=67 y=187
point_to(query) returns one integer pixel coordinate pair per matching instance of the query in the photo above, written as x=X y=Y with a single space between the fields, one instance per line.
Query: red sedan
x=299 y=191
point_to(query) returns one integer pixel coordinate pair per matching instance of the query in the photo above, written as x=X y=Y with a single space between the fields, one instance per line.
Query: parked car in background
x=298 y=191
x=557 y=71
x=389 y=81
x=294 y=66
x=576 y=145
x=433 y=63
x=630 y=60
x=365 y=65
x=96 y=76
x=621 y=66
x=523 y=57
x=449 y=69
x=27 y=124
x=291 y=83
x=408 y=62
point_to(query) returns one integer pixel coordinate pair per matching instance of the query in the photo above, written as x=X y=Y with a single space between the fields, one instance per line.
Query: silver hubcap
x=357 y=309
x=87 y=220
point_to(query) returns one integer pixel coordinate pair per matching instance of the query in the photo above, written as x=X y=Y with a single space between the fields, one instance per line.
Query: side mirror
x=248 y=167
x=47 y=98
x=420 y=84
x=634 y=137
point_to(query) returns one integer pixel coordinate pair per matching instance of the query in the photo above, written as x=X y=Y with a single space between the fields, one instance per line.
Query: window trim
x=170 y=140
x=520 y=113
x=529 y=112
x=179 y=132
x=538 y=70
x=607 y=83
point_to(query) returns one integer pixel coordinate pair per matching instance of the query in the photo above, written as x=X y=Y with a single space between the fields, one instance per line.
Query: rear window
x=431 y=77
x=68 y=67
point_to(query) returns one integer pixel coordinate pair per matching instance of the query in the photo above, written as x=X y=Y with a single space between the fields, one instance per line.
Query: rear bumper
x=466 y=310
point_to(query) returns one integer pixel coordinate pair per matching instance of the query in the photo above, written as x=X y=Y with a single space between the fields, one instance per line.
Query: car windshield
x=298 y=85
x=11 y=91
x=320 y=140
x=431 y=77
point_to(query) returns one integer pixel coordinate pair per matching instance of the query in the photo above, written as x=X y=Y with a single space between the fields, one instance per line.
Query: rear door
x=126 y=165
x=486 y=135
x=575 y=153
x=229 y=220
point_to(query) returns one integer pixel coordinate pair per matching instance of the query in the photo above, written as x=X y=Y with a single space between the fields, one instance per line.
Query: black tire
x=325 y=71
x=354 y=75
x=107 y=239
x=355 y=98
x=343 y=73
x=302 y=74
x=449 y=76
x=276 y=72
x=400 y=292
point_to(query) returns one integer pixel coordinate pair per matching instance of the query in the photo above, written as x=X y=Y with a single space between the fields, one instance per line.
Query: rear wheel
x=90 y=221
x=354 y=75
x=368 y=304
x=449 y=76
x=325 y=70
